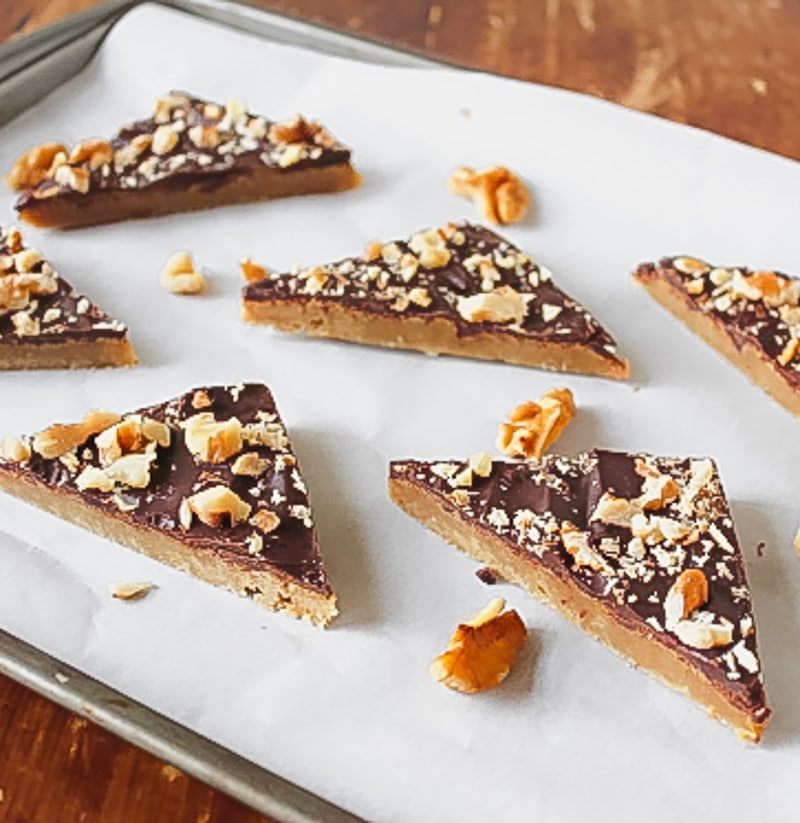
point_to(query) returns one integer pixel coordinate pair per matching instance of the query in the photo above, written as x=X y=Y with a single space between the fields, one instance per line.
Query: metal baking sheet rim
x=32 y=67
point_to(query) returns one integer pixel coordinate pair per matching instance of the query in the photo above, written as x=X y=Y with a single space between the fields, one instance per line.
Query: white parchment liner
x=351 y=713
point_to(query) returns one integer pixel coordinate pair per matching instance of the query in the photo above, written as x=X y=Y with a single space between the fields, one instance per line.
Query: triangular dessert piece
x=44 y=323
x=460 y=289
x=638 y=551
x=191 y=154
x=207 y=482
x=751 y=317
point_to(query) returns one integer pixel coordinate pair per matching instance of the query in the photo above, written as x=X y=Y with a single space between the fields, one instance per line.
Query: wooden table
x=725 y=65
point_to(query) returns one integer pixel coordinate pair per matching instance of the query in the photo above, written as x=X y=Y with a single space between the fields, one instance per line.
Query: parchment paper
x=351 y=713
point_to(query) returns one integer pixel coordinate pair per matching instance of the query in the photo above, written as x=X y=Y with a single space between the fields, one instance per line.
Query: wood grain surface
x=729 y=66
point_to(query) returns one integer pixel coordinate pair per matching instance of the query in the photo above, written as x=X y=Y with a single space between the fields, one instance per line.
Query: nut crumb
x=131 y=591
x=481 y=652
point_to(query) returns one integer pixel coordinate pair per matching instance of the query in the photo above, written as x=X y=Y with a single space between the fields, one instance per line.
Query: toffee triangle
x=638 y=551
x=44 y=323
x=460 y=290
x=207 y=482
x=190 y=154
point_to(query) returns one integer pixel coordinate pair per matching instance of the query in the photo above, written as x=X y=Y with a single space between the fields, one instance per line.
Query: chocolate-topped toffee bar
x=191 y=154
x=460 y=290
x=751 y=317
x=207 y=482
x=44 y=323
x=638 y=551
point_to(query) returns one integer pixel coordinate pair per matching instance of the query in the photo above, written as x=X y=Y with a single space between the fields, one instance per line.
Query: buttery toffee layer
x=37 y=307
x=463 y=273
x=623 y=527
x=187 y=142
x=215 y=442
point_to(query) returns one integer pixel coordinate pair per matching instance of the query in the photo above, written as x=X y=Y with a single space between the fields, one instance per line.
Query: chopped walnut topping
x=255 y=544
x=480 y=654
x=253 y=271
x=180 y=276
x=250 y=464
x=265 y=520
x=165 y=138
x=14 y=450
x=373 y=251
x=200 y=399
x=130 y=436
x=203 y=136
x=687 y=594
x=33 y=167
x=61 y=438
x=214 y=505
x=501 y=305
x=498 y=194
x=704 y=631
x=481 y=464
x=577 y=544
x=534 y=426
x=212 y=441
x=690 y=265
x=73 y=177
x=94 y=153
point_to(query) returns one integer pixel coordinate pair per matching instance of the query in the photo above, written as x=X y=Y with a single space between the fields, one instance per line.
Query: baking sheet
x=351 y=713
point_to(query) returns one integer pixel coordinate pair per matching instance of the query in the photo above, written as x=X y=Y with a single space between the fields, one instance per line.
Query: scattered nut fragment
x=200 y=399
x=180 y=276
x=213 y=505
x=131 y=591
x=61 y=438
x=480 y=654
x=252 y=271
x=534 y=426
x=33 y=167
x=498 y=194
x=704 y=631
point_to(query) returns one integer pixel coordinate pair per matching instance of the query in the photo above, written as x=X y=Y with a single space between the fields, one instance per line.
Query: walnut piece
x=212 y=441
x=265 y=520
x=686 y=595
x=498 y=194
x=480 y=654
x=14 y=450
x=61 y=438
x=501 y=305
x=95 y=153
x=213 y=506
x=534 y=426
x=180 y=276
x=34 y=166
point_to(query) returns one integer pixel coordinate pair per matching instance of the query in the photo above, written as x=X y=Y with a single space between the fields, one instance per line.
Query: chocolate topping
x=176 y=474
x=439 y=274
x=554 y=512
